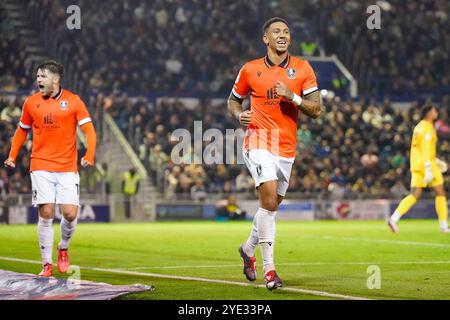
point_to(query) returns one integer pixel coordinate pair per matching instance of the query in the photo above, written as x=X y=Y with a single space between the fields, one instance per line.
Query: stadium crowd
x=12 y=58
x=358 y=146
x=190 y=44
x=181 y=40
x=409 y=54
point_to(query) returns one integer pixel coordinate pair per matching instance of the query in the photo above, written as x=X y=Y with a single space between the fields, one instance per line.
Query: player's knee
x=70 y=215
x=46 y=211
x=270 y=204
x=69 y=212
x=440 y=192
x=416 y=193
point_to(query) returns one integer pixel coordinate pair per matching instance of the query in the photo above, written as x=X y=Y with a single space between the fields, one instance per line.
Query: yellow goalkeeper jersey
x=423 y=146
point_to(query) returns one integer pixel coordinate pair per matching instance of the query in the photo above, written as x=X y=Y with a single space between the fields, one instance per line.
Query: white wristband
x=297 y=100
x=238 y=115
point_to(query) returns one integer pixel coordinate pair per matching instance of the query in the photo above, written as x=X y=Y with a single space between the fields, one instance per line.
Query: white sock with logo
x=46 y=235
x=266 y=235
x=395 y=217
x=252 y=241
x=67 y=230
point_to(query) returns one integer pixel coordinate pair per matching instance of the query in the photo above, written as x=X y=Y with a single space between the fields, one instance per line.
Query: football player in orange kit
x=53 y=115
x=280 y=86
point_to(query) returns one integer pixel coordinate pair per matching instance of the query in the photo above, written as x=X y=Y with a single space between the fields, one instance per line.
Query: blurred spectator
x=398 y=190
x=309 y=47
x=304 y=137
x=172 y=184
x=157 y=159
x=311 y=182
x=11 y=114
x=229 y=209
x=369 y=161
x=359 y=186
x=398 y=160
x=198 y=190
x=130 y=187
x=244 y=181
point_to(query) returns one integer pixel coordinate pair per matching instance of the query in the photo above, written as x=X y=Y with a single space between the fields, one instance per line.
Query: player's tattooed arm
x=235 y=108
x=312 y=105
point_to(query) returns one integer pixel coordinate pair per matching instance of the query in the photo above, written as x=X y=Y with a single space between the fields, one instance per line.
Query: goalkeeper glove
x=442 y=165
x=428 y=172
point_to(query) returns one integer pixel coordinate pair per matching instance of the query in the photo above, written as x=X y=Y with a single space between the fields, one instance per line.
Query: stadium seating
x=135 y=51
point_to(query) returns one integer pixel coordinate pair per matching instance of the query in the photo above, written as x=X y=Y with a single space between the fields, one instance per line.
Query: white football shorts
x=55 y=187
x=265 y=166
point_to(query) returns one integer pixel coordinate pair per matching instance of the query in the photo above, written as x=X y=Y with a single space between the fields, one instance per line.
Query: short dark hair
x=425 y=109
x=52 y=66
x=269 y=22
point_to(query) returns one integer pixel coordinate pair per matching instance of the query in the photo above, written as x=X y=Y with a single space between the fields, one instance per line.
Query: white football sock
x=46 y=235
x=443 y=224
x=67 y=230
x=395 y=217
x=252 y=241
x=266 y=236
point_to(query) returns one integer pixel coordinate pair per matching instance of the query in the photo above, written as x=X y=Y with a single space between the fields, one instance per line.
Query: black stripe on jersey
x=310 y=92
x=233 y=96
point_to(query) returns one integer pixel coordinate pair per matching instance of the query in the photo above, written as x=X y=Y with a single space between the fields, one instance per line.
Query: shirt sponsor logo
x=272 y=97
x=51 y=122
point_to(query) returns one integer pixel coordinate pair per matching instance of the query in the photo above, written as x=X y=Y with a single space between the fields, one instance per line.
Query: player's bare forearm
x=91 y=139
x=235 y=108
x=312 y=105
x=234 y=105
x=20 y=136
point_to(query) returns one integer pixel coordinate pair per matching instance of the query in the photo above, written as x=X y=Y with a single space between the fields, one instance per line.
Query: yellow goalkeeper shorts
x=417 y=179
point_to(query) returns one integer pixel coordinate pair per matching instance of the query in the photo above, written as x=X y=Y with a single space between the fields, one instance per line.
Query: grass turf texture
x=330 y=256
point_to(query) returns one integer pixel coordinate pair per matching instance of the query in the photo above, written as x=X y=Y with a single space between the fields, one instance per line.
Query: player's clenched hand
x=245 y=118
x=283 y=91
x=10 y=163
x=85 y=163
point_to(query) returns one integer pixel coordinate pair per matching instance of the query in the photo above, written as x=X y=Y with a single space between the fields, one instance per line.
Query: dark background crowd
x=131 y=52
x=408 y=55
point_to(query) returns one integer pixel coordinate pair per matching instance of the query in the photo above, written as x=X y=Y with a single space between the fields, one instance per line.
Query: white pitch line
x=174 y=277
x=300 y=264
x=413 y=243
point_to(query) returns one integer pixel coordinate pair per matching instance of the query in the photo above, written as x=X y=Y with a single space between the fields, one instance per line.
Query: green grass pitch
x=326 y=256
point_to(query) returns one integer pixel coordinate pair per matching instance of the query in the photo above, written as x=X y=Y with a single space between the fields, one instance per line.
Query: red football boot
x=272 y=280
x=47 y=270
x=63 y=260
x=249 y=265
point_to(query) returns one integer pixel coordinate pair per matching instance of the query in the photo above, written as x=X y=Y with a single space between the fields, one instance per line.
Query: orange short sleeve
x=310 y=82
x=241 y=87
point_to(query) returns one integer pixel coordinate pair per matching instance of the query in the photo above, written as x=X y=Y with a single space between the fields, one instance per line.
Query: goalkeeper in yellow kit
x=426 y=170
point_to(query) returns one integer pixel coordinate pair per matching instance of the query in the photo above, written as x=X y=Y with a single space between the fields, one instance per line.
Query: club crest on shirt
x=63 y=105
x=290 y=73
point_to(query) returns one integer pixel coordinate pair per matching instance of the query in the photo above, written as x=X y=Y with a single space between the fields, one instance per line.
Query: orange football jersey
x=274 y=120
x=54 y=124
